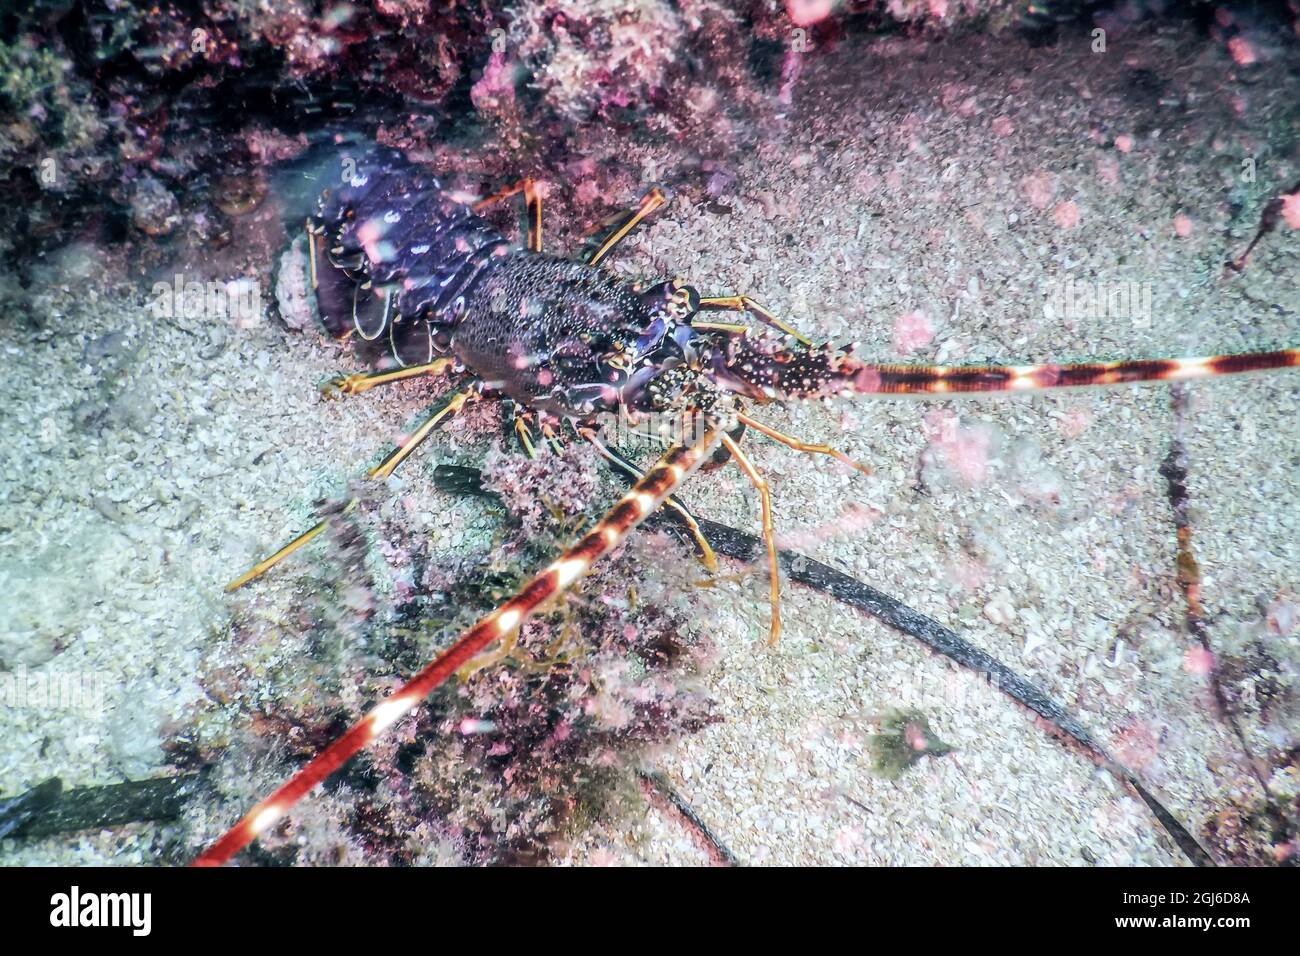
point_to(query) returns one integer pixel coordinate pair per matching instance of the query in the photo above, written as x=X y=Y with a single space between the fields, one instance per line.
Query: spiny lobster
x=425 y=285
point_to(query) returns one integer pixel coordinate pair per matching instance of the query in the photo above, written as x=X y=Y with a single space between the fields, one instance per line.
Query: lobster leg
x=622 y=227
x=417 y=437
x=360 y=382
x=769 y=531
x=266 y=564
x=707 y=557
x=607 y=534
x=525 y=436
x=552 y=437
x=532 y=204
x=523 y=428
x=382 y=470
x=798 y=445
x=727 y=328
x=743 y=303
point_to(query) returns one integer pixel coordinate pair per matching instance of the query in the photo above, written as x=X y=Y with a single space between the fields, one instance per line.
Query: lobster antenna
x=608 y=533
x=766 y=370
x=967 y=379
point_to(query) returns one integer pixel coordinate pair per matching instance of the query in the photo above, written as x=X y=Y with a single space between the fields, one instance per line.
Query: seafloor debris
x=17 y=812
x=1262 y=833
x=902 y=739
x=498 y=767
x=48 y=808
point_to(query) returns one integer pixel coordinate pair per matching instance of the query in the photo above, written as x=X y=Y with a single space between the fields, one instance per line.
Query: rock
x=297 y=306
x=133 y=730
x=154 y=210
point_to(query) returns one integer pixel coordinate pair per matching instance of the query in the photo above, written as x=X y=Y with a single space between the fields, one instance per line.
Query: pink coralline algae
x=804 y=13
x=1291 y=210
x=964 y=451
x=1199 y=661
x=1038 y=189
x=1242 y=51
x=495 y=89
x=1137 y=745
x=538 y=490
x=1066 y=214
x=912 y=331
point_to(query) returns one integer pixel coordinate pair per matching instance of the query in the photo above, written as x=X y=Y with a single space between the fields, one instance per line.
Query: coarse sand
x=923 y=199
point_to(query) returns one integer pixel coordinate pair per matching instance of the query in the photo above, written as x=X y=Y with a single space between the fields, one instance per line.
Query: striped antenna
x=638 y=504
x=959 y=379
x=766 y=369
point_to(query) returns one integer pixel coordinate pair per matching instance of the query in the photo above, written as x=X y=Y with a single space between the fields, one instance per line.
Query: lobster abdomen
x=400 y=256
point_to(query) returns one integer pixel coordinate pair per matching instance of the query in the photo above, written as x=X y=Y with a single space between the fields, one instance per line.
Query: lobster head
x=679 y=363
x=558 y=336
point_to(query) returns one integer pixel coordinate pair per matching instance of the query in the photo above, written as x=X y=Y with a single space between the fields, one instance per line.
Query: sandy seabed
x=921 y=199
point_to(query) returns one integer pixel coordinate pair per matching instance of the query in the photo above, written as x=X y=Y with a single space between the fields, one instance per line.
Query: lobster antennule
x=764 y=368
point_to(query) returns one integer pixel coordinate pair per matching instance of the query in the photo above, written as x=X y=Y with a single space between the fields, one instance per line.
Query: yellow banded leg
x=360 y=382
x=625 y=224
x=731 y=328
x=552 y=439
x=798 y=445
x=524 y=432
x=266 y=564
x=532 y=205
x=743 y=303
x=707 y=557
x=525 y=436
x=413 y=441
x=382 y=470
x=769 y=531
